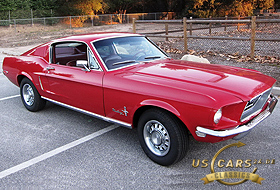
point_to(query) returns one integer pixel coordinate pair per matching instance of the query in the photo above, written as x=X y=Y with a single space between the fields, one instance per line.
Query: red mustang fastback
x=126 y=79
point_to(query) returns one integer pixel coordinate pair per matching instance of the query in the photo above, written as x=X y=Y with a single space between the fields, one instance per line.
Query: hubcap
x=156 y=138
x=28 y=94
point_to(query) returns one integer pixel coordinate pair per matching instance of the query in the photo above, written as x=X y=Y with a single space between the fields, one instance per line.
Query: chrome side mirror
x=83 y=64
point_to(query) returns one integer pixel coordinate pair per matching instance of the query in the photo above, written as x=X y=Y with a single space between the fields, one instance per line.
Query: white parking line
x=9 y=97
x=55 y=152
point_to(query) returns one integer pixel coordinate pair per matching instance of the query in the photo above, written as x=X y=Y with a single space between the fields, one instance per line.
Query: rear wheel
x=163 y=138
x=30 y=97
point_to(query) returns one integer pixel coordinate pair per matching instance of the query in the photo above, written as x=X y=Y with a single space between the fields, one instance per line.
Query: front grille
x=255 y=105
x=252 y=103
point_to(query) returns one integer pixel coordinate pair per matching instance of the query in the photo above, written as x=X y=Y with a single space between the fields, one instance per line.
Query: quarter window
x=92 y=62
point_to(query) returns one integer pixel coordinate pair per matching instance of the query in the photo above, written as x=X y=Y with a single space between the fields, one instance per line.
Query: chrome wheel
x=162 y=136
x=30 y=97
x=28 y=94
x=156 y=138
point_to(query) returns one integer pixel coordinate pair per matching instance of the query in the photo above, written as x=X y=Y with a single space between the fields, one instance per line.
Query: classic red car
x=126 y=79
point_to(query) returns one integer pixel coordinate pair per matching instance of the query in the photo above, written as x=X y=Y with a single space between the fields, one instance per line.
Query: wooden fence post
x=190 y=27
x=238 y=25
x=166 y=29
x=15 y=24
x=226 y=24
x=185 y=34
x=32 y=22
x=253 y=36
x=210 y=25
x=133 y=25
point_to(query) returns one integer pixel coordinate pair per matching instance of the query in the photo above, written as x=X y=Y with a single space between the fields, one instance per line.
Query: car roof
x=95 y=36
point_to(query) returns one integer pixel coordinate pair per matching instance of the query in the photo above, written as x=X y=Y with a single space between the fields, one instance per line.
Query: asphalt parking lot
x=58 y=148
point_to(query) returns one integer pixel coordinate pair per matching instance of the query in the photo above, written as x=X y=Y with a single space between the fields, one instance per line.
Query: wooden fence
x=188 y=26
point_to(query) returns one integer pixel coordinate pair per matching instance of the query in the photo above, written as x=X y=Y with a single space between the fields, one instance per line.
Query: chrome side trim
x=242 y=128
x=90 y=113
x=41 y=83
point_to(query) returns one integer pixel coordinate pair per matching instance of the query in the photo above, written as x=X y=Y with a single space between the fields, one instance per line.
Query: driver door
x=72 y=85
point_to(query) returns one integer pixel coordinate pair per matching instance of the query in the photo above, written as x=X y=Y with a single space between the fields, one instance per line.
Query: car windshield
x=120 y=52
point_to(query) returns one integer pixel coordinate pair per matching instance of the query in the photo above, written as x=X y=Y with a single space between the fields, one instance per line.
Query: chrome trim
x=41 y=85
x=90 y=113
x=242 y=128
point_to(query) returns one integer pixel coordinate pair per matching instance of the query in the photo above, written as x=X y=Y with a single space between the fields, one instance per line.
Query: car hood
x=209 y=79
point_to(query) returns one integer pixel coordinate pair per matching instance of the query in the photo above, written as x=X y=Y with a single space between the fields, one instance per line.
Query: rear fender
x=22 y=75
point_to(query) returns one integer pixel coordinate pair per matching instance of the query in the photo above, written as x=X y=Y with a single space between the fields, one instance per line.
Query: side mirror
x=83 y=64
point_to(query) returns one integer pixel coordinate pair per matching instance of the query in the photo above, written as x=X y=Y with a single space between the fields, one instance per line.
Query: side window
x=92 y=62
x=68 y=53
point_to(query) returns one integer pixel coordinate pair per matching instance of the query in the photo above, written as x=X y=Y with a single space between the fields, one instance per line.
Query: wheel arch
x=149 y=104
x=21 y=76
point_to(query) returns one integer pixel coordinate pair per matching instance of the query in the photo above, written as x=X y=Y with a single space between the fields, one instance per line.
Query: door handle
x=50 y=68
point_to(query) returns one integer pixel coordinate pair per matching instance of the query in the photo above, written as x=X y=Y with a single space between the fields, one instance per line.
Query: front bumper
x=202 y=132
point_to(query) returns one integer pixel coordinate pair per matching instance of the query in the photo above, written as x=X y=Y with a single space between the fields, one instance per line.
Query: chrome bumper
x=200 y=131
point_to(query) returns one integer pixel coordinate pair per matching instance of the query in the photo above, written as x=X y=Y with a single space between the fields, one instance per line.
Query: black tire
x=162 y=136
x=30 y=97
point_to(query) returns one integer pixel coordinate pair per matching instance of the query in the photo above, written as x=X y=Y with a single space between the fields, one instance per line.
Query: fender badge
x=122 y=112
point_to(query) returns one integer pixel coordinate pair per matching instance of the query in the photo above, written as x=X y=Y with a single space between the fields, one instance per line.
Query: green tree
x=7 y=5
x=43 y=4
x=22 y=4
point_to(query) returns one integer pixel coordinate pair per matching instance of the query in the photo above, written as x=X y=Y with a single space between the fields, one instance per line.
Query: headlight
x=218 y=116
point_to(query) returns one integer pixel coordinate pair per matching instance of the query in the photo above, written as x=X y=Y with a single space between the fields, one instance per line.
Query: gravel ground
x=217 y=52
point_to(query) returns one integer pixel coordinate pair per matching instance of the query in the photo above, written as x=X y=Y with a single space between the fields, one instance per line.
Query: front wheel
x=163 y=138
x=30 y=97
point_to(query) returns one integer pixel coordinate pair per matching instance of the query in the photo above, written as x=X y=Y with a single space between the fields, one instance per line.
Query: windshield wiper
x=152 y=57
x=124 y=62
